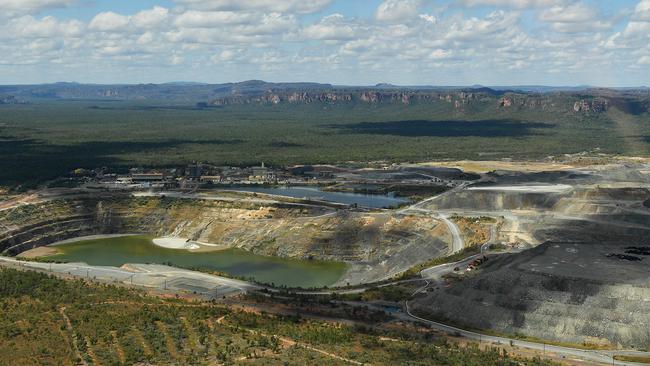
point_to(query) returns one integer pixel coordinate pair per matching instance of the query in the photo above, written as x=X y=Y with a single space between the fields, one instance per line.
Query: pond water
x=117 y=251
x=311 y=192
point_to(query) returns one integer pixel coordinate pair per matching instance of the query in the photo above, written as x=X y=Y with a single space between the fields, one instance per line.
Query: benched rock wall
x=378 y=245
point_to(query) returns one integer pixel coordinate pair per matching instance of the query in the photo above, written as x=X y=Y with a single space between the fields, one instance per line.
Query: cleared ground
x=587 y=277
x=574 y=227
x=377 y=245
x=152 y=276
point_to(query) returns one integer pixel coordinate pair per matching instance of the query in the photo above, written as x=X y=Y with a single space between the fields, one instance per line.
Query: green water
x=140 y=249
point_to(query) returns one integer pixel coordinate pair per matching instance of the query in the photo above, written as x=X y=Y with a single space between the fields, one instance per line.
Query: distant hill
x=175 y=91
x=578 y=99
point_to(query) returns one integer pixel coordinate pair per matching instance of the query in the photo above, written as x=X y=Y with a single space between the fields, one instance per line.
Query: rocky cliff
x=461 y=99
x=470 y=100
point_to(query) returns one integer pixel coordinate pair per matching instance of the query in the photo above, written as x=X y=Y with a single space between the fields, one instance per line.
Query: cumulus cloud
x=636 y=29
x=227 y=55
x=207 y=19
x=494 y=24
x=642 y=11
x=299 y=6
x=151 y=18
x=264 y=37
x=574 y=13
x=519 y=4
x=13 y=7
x=114 y=22
x=47 y=27
x=574 y=18
x=397 y=10
x=109 y=22
x=332 y=27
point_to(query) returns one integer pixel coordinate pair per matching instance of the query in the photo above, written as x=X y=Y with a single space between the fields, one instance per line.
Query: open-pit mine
x=554 y=253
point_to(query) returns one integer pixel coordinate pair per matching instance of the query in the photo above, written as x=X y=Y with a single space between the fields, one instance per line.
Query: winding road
x=183 y=280
x=601 y=356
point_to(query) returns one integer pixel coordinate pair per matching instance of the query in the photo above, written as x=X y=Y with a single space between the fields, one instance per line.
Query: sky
x=343 y=42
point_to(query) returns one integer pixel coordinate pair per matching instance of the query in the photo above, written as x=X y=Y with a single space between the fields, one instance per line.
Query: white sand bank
x=175 y=243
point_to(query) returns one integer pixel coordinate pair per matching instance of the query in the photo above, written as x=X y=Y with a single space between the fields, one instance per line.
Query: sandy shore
x=89 y=237
x=182 y=243
x=39 y=252
x=175 y=243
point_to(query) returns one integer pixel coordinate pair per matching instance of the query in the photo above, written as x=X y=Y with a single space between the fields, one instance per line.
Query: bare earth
x=189 y=245
x=488 y=166
x=39 y=252
x=577 y=161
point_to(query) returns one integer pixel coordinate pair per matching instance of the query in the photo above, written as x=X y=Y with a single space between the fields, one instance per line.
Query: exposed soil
x=39 y=252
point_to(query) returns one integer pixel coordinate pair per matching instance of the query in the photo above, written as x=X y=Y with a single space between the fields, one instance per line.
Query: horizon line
x=379 y=84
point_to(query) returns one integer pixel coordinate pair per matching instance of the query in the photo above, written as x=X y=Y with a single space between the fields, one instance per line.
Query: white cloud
x=397 y=10
x=574 y=13
x=558 y=38
x=331 y=27
x=574 y=18
x=176 y=60
x=14 y=7
x=226 y=56
x=46 y=27
x=642 y=11
x=496 y=23
x=143 y=20
x=439 y=54
x=109 y=22
x=151 y=18
x=269 y=24
x=637 y=30
x=428 y=18
x=579 y=27
x=519 y=4
x=207 y=19
x=283 y=6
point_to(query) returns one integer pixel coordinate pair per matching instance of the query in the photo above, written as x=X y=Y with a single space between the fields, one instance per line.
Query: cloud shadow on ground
x=416 y=128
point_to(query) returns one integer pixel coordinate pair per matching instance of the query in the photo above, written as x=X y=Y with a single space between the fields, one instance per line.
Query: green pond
x=140 y=249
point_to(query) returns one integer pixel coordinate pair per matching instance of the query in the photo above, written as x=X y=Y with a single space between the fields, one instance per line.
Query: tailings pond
x=117 y=251
x=315 y=193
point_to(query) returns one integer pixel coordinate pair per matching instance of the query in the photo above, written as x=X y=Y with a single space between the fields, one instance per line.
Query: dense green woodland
x=47 y=139
x=111 y=326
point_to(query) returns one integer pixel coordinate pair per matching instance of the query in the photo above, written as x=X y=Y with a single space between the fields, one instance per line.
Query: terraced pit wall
x=377 y=245
x=587 y=283
x=29 y=226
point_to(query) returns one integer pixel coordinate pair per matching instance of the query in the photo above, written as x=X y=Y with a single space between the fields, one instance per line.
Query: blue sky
x=360 y=42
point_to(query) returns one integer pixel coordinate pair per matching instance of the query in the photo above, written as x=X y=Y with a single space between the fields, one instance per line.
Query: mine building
x=261 y=174
x=214 y=179
x=147 y=177
x=194 y=171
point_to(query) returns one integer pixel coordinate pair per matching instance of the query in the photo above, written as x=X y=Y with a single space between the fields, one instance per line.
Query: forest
x=48 y=139
x=50 y=321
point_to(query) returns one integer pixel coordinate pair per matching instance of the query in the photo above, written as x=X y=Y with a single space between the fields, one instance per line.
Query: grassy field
x=44 y=140
x=49 y=321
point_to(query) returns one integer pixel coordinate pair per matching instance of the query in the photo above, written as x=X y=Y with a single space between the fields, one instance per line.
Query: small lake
x=311 y=192
x=117 y=251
